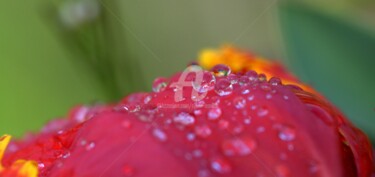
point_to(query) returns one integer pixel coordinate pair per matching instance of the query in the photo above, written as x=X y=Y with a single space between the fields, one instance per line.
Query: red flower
x=201 y=123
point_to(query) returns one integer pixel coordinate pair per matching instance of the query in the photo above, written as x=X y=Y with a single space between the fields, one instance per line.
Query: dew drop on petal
x=251 y=97
x=287 y=133
x=206 y=84
x=214 y=113
x=190 y=136
x=233 y=78
x=243 y=80
x=159 y=134
x=262 y=77
x=252 y=75
x=262 y=112
x=90 y=146
x=238 y=146
x=224 y=87
x=275 y=81
x=221 y=70
x=313 y=167
x=220 y=165
x=247 y=121
x=131 y=108
x=286 y=97
x=239 y=102
x=184 y=119
x=245 y=91
x=203 y=131
x=159 y=84
x=268 y=96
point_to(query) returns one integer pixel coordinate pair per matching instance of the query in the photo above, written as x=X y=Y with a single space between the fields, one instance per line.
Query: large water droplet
x=287 y=133
x=252 y=75
x=203 y=131
x=159 y=134
x=214 y=113
x=275 y=81
x=206 y=84
x=221 y=70
x=220 y=165
x=238 y=147
x=239 y=102
x=262 y=77
x=224 y=87
x=184 y=119
x=159 y=84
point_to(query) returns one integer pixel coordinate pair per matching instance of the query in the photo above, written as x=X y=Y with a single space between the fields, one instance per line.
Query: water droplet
x=41 y=165
x=247 y=121
x=159 y=134
x=184 y=119
x=197 y=153
x=262 y=77
x=159 y=84
x=243 y=80
x=262 y=112
x=266 y=87
x=245 y=91
x=239 y=102
x=286 y=97
x=251 y=97
x=261 y=129
x=275 y=81
x=313 y=167
x=233 y=78
x=252 y=75
x=190 y=136
x=206 y=84
x=220 y=165
x=199 y=104
x=214 y=113
x=221 y=70
x=128 y=170
x=90 y=146
x=287 y=133
x=238 y=147
x=224 y=87
x=198 y=112
x=203 y=131
x=268 y=96
x=147 y=99
x=128 y=108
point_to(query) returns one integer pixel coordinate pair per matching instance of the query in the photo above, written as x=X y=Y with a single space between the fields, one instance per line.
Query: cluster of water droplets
x=224 y=83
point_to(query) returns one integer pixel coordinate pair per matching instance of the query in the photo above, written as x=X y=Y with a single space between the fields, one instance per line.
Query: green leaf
x=336 y=57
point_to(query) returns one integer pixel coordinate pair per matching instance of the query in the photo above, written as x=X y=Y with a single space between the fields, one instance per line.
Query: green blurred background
x=43 y=72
